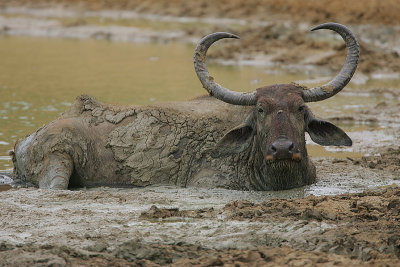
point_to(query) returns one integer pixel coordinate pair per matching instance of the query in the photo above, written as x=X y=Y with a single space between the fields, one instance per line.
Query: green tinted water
x=40 y=78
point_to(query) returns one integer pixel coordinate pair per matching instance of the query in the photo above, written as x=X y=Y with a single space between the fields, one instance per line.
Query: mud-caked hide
x=244 y=141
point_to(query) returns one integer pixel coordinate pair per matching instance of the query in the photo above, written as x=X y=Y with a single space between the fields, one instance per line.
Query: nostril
x=291 y=147
x=273 y=148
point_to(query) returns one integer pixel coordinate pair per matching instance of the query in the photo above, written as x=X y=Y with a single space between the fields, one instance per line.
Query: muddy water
x=40 y=77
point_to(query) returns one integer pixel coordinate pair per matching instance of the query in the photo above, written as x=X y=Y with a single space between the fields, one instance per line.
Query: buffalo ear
x=327 y=134
x=236 y=140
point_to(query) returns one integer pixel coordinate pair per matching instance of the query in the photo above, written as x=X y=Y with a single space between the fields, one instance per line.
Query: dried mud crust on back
x=352 y=229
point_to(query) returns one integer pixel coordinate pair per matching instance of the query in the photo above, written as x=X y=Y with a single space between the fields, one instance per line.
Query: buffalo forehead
x=279 y=95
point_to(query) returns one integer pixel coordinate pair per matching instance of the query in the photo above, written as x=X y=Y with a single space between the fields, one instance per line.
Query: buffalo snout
x=282 y=149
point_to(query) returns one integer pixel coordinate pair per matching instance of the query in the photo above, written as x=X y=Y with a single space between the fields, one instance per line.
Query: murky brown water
x=40 y=77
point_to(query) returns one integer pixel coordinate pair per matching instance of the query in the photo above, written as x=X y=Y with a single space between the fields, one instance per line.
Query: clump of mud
x=366 y=223
x=156 y=213
x=137 y=253
x=5 y=182
x=372 y=59
x=388 y=160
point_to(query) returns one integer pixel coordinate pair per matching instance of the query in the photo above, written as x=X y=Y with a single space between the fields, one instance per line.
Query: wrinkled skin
x=94 y=144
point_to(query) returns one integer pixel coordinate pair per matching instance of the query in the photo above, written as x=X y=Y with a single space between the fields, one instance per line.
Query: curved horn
x=343 y=77
x=212 y=87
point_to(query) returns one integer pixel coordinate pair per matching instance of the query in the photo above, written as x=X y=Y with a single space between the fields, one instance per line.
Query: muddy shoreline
x=134 y=227
x=349 y=217
x=270 y=43
x=357 y=11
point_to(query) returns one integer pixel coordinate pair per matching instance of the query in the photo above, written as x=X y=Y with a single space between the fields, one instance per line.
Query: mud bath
x=332 y=222
x=167 y=225
x=164 y=225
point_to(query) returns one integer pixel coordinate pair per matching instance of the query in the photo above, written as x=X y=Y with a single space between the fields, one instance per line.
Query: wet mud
x=350 y=217
x=159 y=226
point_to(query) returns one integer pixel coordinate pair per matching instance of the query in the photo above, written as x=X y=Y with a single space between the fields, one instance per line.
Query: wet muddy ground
x=349 y=217
x=166 y=225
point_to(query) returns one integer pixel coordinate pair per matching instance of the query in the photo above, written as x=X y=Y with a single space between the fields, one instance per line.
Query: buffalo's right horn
x=208 y=82
x=344 y=76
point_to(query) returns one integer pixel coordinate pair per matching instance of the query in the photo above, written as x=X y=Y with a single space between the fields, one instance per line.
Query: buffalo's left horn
x=343 y=77
x=208 y=82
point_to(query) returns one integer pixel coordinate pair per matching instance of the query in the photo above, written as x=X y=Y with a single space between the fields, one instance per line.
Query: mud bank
x=161 y=225
x=357 y=11
x=271 y=42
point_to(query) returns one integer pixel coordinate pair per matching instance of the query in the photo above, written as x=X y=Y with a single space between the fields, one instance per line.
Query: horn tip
x=327 y=25
x=228 y=35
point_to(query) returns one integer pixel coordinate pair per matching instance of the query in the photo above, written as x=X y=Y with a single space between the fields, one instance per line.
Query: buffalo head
x=274 y=132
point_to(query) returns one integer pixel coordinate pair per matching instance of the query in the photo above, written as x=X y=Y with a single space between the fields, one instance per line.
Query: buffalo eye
x=301 y=108
x=260 y=110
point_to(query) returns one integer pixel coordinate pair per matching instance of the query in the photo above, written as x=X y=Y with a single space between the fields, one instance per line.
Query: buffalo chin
x=281 y=163
x=283 y=174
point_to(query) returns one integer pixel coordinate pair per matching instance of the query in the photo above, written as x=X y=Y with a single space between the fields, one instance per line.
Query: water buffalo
x=264 y=148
